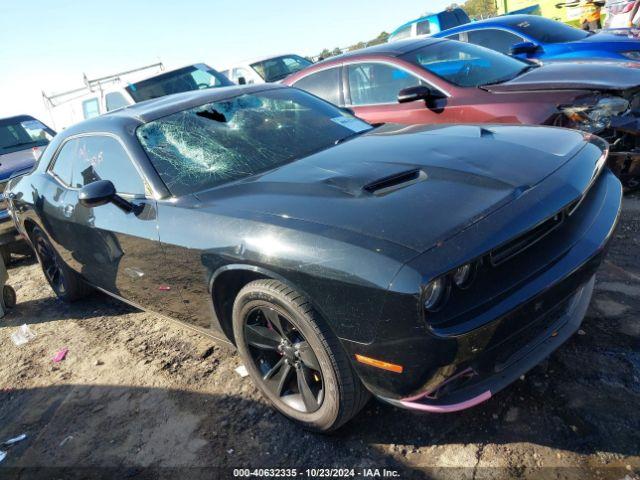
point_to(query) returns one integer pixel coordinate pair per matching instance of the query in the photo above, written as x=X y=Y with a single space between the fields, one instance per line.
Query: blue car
x=534 y=37
x=430 y=24
x=22 y=140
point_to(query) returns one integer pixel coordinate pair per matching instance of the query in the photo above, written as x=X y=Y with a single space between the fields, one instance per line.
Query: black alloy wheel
x=50 y=265
x=294 y=358
x=66 y=284
x=280 y=352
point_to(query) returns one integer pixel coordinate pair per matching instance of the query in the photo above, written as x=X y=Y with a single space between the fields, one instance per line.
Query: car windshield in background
x=545 y=30
x=195 y=77
x=278 y=68
x=200 y=148
x=23 y=133
x=466 y=65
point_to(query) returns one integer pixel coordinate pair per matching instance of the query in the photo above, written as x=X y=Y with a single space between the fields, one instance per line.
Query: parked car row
x=433 y=80
x=388 y=227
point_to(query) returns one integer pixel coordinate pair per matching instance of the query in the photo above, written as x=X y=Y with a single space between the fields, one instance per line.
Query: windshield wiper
x=350 y=136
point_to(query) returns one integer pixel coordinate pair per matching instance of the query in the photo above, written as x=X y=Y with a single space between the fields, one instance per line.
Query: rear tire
x=65 y=283
x=323 y=391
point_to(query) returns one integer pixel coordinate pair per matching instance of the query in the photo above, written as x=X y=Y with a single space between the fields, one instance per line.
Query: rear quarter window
x=324 y=84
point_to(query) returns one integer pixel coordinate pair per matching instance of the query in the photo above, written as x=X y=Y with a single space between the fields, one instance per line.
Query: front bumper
x=496 y=370
x=624 y=158
x=453 y=368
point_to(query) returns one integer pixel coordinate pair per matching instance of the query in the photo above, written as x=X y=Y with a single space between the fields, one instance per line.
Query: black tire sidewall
x=247 y=300
x=64 y=272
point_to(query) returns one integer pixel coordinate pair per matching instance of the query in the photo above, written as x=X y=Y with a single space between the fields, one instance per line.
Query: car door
x=372 y=89
x=112 y=249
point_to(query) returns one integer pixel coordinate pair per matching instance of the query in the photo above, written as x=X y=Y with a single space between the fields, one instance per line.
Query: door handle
x=67 y=211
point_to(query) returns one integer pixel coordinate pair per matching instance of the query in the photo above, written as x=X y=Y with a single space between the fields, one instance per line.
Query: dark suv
x=22 y=139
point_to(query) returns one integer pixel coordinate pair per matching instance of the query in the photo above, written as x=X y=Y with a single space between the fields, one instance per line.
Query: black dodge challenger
x=428 y=265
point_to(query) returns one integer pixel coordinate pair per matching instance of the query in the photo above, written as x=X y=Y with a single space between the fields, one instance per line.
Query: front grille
x=518 y=245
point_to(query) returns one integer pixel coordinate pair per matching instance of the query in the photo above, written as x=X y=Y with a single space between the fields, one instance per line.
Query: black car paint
x=360 y=258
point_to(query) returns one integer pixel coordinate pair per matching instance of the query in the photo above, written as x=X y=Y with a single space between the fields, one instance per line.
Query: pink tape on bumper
x=455 y=407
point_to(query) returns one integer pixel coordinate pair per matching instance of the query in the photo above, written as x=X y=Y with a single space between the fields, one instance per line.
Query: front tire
x=66 y=284
x=293 y=358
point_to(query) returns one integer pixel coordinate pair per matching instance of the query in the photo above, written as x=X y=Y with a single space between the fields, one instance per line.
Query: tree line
x=476 y=9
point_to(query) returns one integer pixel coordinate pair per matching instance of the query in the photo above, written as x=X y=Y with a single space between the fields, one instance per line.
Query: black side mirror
x=524 y=48
x=100 y=193
x=419 y=92
x=242 y=81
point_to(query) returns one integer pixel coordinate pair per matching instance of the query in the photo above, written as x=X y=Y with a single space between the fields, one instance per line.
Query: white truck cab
x=116 y=91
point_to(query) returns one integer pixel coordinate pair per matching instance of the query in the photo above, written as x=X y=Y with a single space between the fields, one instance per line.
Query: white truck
x=118 y=90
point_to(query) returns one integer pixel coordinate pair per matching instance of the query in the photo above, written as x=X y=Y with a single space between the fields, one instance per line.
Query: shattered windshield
x=200 y=148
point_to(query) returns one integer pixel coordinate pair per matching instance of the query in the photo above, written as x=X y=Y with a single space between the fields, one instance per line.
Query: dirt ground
x=141 y=397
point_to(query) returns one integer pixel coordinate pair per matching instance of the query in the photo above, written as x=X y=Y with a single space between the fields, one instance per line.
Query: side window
x=90 y=108
x=455 y=36
x=104 y=158
x=423 y=28
x=404 y=32
x=377 y=83
x=325 y=84
x=498 y=40
x=63 y=164
x=88 y=159
x=115 y=100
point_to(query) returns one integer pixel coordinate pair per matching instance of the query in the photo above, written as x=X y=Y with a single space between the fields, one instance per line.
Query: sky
x=49 y=44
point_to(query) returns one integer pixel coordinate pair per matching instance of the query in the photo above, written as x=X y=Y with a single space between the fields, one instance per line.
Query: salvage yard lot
x=140 y=393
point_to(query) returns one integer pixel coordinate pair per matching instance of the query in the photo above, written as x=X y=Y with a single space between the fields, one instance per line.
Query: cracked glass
x=228 y=140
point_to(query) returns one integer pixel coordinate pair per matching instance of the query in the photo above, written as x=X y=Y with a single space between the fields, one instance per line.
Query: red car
x=444 y=81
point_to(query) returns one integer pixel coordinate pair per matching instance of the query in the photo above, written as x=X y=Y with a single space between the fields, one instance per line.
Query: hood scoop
x=394 y=182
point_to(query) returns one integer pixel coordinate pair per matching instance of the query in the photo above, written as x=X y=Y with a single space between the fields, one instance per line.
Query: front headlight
x=434 y=293
x=632 y=55
x=594 y=118
x=463 y=275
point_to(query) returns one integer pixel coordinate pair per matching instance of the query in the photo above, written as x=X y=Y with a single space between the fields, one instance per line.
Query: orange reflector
x=391 y=367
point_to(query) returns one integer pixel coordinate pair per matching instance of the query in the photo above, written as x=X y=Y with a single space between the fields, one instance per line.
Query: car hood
x=15 y=162
x=607 y=76
x=608 y=40
x=414 y=186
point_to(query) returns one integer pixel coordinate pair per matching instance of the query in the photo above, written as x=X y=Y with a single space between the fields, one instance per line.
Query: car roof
x=250 y=61
x=391 y=49
x=510 y=21
x=150 y=110
x=18 y=118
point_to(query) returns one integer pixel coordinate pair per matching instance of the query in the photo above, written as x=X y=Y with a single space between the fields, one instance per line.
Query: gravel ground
x=142 y=397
